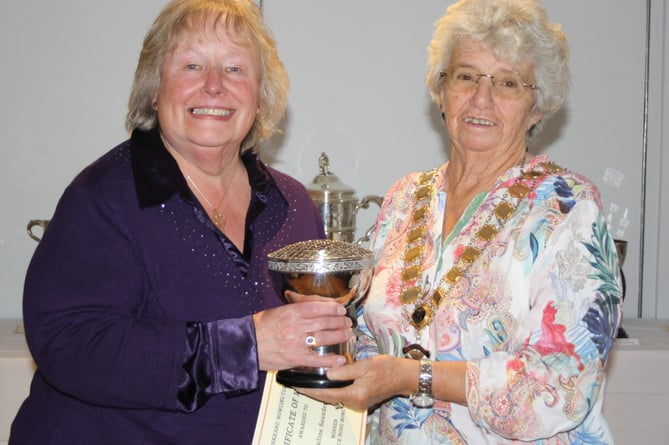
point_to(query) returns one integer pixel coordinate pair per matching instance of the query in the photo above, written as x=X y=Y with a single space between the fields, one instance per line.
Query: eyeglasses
x=506 y=84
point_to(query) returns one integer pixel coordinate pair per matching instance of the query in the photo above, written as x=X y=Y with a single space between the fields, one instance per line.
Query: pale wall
x=357 y=69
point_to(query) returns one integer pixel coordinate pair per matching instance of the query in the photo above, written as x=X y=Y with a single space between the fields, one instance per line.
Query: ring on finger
x=310 y=340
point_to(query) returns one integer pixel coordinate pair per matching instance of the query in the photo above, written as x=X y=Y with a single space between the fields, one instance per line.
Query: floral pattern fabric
x=534 y=316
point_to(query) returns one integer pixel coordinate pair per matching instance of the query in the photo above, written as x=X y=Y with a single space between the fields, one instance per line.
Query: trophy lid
x=320 y=255
x=327 y=185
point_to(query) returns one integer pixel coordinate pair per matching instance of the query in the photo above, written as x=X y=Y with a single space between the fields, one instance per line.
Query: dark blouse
x=138 y=311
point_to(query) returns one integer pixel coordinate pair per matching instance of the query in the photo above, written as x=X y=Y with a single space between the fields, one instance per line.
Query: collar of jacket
x=157 y=175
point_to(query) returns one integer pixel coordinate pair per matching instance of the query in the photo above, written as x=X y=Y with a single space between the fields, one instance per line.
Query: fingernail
x=341 y=310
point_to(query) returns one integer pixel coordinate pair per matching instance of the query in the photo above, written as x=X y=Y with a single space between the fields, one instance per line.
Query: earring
x=443 y=116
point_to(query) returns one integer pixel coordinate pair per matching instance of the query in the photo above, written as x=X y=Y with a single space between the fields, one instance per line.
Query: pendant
x=421 y=316
x=218 y=220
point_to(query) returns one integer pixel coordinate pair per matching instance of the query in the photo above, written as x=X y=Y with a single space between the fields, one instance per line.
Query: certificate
x=287 y=417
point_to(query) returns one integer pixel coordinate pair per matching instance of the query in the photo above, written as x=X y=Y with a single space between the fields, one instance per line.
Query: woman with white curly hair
x=496 y=295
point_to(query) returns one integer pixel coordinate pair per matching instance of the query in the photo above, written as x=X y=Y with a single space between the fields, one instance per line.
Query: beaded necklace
x=418 y=306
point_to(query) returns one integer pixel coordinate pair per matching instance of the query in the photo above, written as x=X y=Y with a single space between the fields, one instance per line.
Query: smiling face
x=208 y=95
x=481 y=120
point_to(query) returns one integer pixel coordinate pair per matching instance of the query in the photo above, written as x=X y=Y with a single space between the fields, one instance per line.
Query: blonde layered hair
x=515 y=30
x=243 y=21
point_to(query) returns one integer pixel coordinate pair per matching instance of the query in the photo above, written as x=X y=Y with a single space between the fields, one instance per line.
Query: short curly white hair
x=516 y=31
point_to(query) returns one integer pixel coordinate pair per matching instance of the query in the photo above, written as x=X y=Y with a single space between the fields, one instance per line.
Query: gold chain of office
x=419 y=308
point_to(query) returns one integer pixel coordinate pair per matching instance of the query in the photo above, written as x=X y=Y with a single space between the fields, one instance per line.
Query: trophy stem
x=305 y=377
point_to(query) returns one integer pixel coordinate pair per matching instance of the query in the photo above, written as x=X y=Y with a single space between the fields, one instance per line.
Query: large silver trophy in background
x=337 y=204
x=621 y=250
x=330 y=268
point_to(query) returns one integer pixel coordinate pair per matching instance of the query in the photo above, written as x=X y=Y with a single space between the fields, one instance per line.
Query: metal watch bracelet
x=424 y=398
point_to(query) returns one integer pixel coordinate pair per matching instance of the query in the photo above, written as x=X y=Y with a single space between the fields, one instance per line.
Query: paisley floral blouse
x=534 y=316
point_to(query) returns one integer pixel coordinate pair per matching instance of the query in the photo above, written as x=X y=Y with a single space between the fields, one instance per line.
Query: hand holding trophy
x=329 y=268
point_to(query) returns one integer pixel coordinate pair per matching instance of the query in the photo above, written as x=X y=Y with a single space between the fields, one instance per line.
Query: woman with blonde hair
x=148 y=306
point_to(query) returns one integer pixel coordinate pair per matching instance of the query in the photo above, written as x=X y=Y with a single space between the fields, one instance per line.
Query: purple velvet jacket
x=138 y=311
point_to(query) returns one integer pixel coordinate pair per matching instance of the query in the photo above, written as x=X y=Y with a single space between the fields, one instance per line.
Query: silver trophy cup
x=330 y=268
x=338 y=204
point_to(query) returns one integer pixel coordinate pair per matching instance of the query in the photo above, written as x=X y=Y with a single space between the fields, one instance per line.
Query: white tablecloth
x=636 y=401
x=16 y=371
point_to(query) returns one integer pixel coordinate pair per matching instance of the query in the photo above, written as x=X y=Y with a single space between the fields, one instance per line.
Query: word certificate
x=287 y=417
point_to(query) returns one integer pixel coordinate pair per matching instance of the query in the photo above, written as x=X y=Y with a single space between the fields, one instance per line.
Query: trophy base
x=306 y=378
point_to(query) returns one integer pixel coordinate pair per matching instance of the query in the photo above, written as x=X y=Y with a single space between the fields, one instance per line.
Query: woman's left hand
x=376 y=379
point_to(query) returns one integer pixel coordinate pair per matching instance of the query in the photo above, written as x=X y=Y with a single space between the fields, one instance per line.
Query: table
x=636 y=397
x=16 y=371
x=635 y=405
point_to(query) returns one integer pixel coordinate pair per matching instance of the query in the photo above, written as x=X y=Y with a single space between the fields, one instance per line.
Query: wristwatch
x=423 y=398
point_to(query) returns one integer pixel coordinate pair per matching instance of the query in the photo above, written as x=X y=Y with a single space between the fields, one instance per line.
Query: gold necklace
x=419 y=308
x=217 y=218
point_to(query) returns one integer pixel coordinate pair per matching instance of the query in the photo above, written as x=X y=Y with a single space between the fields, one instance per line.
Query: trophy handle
x=43 y=223
x=364 y=204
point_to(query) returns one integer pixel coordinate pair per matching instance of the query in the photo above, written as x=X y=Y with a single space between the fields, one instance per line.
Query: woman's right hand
x=281 y=333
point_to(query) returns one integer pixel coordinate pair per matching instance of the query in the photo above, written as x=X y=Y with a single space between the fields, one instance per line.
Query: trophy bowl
x=329 y=268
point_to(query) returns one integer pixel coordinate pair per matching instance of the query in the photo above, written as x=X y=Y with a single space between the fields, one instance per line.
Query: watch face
x=423 y=400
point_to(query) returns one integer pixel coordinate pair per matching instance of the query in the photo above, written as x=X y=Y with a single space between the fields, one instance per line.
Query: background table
x=16 y=371
x=636 y=401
